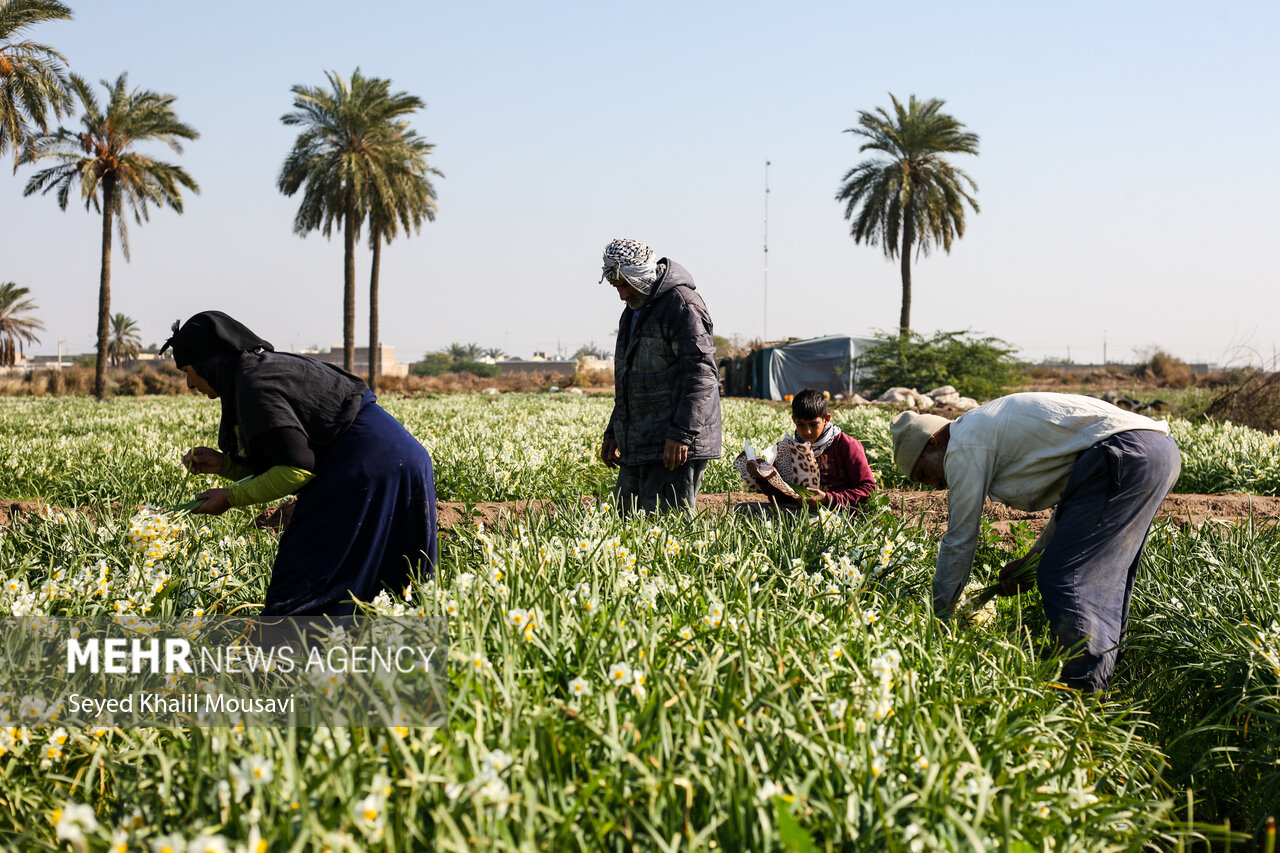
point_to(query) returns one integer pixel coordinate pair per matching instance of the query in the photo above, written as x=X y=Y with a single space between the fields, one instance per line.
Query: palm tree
x=126 y=342
x=31 y=79
x=17 y=326
x=400 y=195
x=102 y=162
x=458 y=352
x=339 y=153
x=495 y=353
x=914 y=197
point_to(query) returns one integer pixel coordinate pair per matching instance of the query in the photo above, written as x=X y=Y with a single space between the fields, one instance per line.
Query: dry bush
x=131 y=385
x=583 y=378
x=1213 y=379
x=133 y=381
x=67 y=382
x=1252 y=398
x=1166 y=370
x=462 y=383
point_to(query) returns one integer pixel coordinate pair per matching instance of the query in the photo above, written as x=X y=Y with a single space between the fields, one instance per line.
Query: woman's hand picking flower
x=216 y=502
x=203 y=460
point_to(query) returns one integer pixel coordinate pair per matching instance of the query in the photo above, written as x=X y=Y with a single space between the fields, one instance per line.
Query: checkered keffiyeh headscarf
x=632 y=261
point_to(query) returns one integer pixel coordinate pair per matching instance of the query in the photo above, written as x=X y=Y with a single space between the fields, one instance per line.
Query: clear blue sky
x=1127 y=175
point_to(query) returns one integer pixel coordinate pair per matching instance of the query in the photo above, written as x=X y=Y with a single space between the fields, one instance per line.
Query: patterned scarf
x=633 y=262
x=824 y=441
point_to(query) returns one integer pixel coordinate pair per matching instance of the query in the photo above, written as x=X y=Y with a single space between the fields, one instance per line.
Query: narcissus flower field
x=720 y=683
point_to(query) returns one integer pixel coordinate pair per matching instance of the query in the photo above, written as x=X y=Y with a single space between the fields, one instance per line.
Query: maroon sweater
x=845 y=473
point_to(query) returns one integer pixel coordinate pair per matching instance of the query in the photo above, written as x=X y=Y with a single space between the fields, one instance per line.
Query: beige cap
x=911 y=431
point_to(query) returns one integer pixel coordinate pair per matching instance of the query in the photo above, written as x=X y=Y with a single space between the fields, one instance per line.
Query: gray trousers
x=1087 y=571
x=651 y=487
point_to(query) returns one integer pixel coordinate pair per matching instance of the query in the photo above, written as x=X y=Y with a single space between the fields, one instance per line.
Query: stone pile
x=911 y=398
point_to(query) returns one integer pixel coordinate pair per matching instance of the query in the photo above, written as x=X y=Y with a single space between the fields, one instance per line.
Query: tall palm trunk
x=908 y=237
x=104 y=287
x=349 y=284
x=375 y=351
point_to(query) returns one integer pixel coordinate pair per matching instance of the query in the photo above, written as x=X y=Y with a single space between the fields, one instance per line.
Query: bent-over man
x=1105 y=469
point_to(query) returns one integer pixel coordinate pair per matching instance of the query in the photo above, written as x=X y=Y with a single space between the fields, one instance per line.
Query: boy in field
x=842 y=463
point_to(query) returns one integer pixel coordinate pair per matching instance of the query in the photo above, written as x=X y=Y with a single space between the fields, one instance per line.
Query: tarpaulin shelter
x=825 y=364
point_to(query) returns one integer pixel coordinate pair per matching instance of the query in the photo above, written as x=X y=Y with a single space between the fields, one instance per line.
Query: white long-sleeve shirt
x=1018 y=450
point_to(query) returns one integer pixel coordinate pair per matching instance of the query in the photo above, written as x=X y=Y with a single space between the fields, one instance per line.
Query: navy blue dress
x=365 y=522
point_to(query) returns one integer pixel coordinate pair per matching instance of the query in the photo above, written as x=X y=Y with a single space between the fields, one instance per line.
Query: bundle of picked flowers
x=1023 y=575
x=784 y=470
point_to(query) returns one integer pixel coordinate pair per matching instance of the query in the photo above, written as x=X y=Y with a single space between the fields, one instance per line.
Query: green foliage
x=479 y=368
x=1204 y=657
x=1225 y=457
x=978 y=367
x=911 y=195
x=102 y=161
x=356 y=160
x=125 y=342
x=432 y=364
x=794 y=690
x=440 y=363
x=31 y=74
x=18 y=323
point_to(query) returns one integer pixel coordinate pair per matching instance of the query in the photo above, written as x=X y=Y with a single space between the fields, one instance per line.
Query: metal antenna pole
x=766 y=251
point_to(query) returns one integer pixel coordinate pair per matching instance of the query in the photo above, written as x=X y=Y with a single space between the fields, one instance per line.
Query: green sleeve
x=234 y=470
x=272 y=484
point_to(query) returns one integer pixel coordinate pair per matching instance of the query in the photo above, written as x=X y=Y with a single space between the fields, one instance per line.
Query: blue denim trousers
x=651 y=487
x=1087 y=571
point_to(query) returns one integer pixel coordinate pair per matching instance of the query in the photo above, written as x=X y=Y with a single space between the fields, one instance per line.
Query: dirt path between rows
x=929 y=507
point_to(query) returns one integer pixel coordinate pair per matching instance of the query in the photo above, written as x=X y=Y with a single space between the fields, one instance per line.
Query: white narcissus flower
x=496 y=761
x=579 y=687
x=369 y=814
x=258 y=769
x=768 y=791
x=209 y=844
x=620 y=673
x=73 y=822
x=171 y=843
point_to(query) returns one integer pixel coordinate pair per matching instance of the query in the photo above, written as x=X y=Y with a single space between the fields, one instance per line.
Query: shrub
x=69 y=381
x=1165 y=369
x=979 y=367
x=587 y=378
x=432 y=364
x=440 y=363
x=476 y=368
x=132 y=385
x=1252 y=398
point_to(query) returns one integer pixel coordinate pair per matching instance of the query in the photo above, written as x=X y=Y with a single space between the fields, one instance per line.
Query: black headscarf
x=262 y=390
x=209 y=334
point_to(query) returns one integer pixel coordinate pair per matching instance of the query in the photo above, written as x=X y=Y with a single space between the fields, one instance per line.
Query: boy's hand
x=816 y=496
x=203 y=460
x=609 y=453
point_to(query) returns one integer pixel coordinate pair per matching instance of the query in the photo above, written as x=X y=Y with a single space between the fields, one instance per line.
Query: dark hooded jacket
x=665 y=376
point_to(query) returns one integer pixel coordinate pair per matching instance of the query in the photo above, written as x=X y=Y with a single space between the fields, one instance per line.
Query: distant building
x=546 y=365
x=389 y=366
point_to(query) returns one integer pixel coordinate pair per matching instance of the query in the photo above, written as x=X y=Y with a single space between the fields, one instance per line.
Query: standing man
x=665 y=424
x=1107 y=471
